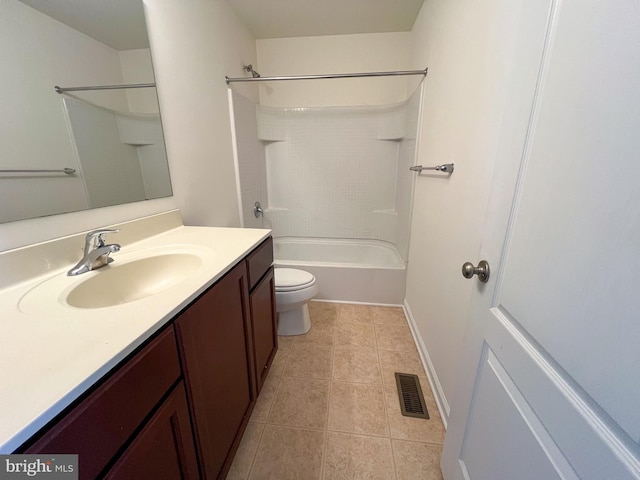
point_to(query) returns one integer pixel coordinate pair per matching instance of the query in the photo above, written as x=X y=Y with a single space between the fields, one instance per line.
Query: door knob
x=482 y=270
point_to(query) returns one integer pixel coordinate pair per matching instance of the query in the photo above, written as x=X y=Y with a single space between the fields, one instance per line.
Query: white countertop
x=50 y=356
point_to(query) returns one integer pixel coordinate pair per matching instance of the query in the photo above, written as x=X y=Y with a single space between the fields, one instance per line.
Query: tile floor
x=329 y=408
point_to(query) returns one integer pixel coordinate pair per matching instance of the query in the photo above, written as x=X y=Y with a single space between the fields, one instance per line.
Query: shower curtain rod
x=103 y=87
x=330 y=75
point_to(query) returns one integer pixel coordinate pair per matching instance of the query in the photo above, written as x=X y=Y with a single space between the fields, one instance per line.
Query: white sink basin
x=132 y=276
x=126 y=282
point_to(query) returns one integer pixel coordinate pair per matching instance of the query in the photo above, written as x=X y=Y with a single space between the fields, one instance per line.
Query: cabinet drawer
x=102 y=422
x=259 y=261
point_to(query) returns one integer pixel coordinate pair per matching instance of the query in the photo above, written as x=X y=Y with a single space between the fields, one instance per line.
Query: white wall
x=194 y=44
x=37 y=53
x=333 y=54
x=467 y=53
x=144 y=133
x=136 y=68
x=109 y=165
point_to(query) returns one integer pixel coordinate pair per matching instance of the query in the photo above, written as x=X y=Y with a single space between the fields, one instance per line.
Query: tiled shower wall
x=334 y=172
x=405 y=178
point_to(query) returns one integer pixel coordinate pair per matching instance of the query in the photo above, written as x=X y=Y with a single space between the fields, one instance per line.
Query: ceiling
x=304 y=18
x=121 y=25
x=117 y=23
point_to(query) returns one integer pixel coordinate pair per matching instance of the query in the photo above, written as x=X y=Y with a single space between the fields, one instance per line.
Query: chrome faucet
x=96 y=252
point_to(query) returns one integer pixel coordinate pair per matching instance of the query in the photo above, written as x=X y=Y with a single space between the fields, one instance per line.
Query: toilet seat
x=291 y=279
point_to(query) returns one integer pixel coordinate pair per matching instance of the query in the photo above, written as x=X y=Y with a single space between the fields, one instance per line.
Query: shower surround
x=332 y=175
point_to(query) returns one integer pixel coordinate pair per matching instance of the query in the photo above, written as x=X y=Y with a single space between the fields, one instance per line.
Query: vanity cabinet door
x=164 y=448
x=108 y=418
x=216 y=357
x=263 y=319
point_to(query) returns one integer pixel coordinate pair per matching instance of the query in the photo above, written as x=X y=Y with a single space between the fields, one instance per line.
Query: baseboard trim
x=441 y=400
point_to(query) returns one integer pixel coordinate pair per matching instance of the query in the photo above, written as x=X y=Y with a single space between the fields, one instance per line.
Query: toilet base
x=294 y=322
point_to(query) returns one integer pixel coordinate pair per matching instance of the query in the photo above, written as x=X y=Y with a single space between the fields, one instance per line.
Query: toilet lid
x=288 y=279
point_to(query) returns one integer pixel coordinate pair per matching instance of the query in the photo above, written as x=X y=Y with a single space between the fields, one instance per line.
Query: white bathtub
x=347 y=270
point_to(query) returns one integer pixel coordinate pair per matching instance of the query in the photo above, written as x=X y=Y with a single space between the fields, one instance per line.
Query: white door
x=549 y=383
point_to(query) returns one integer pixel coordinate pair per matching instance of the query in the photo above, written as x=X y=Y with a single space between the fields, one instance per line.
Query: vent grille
x=412 y=402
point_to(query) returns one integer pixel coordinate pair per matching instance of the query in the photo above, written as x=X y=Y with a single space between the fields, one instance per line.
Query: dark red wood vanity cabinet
x=227 y=341
x=215 y=346
x=178 y=406
x=164 y=447
x=263 y=309
x=111 y=424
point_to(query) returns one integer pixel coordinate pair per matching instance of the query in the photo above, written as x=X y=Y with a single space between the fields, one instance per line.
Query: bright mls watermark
x=51 y=467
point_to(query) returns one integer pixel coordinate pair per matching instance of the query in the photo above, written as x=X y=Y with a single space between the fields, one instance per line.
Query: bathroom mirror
x=80 y=149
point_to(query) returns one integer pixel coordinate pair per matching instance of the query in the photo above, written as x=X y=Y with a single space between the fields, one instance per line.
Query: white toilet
x=294 y=289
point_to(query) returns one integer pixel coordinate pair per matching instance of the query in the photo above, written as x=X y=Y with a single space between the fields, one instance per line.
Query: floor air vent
x=412 y=402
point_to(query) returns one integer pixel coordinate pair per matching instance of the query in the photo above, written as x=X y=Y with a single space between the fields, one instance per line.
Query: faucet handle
x=94 y=238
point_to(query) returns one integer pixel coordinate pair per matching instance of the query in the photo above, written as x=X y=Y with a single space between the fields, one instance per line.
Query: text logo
x=50 y=467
